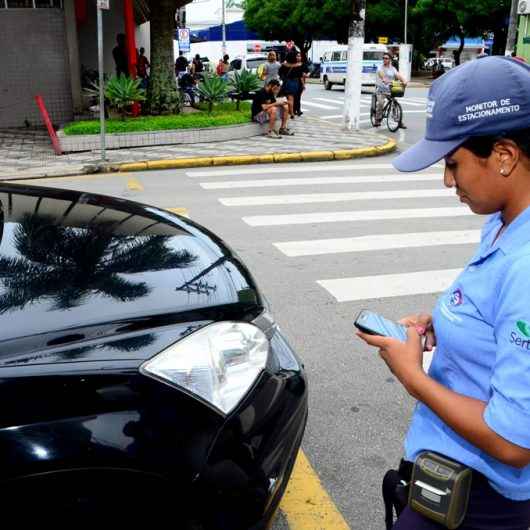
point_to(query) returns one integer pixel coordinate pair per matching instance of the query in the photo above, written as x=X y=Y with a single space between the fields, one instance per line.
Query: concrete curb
x=236 y=160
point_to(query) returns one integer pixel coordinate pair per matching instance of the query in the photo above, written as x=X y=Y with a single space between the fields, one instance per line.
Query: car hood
x=82 y=271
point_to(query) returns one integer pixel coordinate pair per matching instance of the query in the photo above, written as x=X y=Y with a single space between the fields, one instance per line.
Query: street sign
x=383 y=40
x=184 y=40
x=103 y=4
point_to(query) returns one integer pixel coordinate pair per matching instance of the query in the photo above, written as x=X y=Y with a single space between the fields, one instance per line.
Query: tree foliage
x=299 y=20
x=431 y=22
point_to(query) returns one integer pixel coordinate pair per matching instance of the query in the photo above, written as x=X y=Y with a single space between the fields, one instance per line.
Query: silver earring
x=503 y=171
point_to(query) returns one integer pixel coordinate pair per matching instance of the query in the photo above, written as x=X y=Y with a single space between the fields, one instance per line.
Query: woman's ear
x=506 y=155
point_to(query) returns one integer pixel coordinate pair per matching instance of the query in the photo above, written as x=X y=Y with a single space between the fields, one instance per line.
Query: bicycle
x=392 y=110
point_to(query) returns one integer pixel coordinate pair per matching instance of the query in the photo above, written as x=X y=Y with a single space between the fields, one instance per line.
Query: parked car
x=141 y=371
x=249 y=62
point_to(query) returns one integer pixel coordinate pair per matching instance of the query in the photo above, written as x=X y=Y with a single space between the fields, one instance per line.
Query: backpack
x=261 y=71
x=220 y=69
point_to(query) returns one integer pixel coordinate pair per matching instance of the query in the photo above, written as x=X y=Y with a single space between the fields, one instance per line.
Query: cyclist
x=386 y=73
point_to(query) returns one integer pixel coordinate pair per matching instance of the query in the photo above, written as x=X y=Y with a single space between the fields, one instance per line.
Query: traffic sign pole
x=101 y=80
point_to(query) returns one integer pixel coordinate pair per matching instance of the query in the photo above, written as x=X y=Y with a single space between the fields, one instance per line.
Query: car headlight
x=219 y=363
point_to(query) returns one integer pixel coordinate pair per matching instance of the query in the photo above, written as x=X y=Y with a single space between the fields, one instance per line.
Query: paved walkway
x=26 y=153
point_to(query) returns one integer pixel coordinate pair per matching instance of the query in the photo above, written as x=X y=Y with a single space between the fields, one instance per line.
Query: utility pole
x=223 y=25
x=352 y=97
x=512 y=29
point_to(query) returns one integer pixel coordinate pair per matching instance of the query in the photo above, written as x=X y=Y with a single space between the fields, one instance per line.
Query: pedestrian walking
x=302 y=87
x=271 y=69
x=119 y=53
x=181 y=65
x=291 y=74
x=142 y=66
x=473 y=412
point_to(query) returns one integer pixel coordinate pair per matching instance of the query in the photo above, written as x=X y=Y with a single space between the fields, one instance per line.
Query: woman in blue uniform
x=474 y=403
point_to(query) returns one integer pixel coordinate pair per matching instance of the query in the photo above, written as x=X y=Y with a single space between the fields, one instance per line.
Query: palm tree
x=92 y=258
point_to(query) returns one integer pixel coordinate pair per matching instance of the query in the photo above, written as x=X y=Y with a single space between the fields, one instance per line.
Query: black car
x=141 y=373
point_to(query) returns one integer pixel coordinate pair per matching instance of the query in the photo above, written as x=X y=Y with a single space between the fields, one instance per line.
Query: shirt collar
x=516 y=235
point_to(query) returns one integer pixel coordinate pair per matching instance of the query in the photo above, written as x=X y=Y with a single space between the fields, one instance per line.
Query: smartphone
x=374 y=324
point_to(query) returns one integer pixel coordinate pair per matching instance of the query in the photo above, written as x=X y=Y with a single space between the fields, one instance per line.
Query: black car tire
x=327 y=84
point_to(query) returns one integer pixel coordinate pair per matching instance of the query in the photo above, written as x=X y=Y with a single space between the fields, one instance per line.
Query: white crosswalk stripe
x=267 y=183
x=356 y=215
x=263 y=200
x=317 y=105
x=390 y=285
x=377 y=242
x=301 y=168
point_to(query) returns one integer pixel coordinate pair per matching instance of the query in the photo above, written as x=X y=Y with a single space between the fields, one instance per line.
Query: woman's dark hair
x=291 y=57
x=482 y=146
x=274 y=82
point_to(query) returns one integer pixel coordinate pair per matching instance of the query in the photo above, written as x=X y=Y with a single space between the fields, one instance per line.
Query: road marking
x=412 y=103
x=373 y=242
x=290 y=168
x=184 y=212
x=318 y=105
x=313 y=181
x=306 y=504
x=390 y=285
x=134 y=184
x=355 y=215
x=329 y=100
x=263 y=200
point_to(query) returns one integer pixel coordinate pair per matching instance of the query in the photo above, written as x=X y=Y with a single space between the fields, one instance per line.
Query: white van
x=335 y=62
x=251 y=62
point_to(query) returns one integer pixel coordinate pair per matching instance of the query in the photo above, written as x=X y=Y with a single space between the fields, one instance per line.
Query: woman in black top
x=291 y=73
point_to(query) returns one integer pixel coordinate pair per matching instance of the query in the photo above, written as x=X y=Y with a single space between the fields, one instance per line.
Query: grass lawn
x=223 y=114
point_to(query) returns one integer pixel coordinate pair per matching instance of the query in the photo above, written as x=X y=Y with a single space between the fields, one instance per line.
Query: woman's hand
x=403 y=358
x=422 y=323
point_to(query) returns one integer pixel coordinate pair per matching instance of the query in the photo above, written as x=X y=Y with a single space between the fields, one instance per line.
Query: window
x=254 y=63
x=344 y=56
x=335 y=56
x=373 y=56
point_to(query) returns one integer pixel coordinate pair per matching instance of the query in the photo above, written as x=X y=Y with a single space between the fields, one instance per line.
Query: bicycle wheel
x=394 y=115
x=373 y=111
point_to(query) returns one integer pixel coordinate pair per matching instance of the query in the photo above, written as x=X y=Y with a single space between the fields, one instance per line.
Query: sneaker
x=286 y=132
x=402 y=126
x=273 y=134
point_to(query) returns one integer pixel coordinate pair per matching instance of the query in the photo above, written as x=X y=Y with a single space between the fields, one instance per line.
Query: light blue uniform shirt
x=482 y=326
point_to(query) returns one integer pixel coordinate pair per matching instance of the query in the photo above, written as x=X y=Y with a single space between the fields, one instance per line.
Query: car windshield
x=254 y=63
x=373 y=56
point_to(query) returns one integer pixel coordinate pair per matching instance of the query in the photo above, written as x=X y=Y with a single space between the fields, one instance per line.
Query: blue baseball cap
x=484 y=97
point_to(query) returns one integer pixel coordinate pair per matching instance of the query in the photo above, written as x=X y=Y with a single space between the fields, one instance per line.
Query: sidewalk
x=28 y=154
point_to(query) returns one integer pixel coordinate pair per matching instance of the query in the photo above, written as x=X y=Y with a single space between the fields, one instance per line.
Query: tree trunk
x=162 y=96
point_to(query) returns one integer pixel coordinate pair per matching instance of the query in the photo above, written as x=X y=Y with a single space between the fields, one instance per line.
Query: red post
x=49 y=126
x=130 y=25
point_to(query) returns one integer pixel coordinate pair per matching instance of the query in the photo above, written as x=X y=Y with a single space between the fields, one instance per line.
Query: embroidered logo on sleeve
x=524 y=330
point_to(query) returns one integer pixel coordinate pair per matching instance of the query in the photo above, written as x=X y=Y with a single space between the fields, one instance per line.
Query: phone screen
x=374 y=324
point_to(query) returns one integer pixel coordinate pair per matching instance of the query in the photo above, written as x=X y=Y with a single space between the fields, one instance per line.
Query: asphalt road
x=301 y=239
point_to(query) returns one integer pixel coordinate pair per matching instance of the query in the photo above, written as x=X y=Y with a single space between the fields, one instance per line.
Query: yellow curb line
x=303 y=156
x=306 y=504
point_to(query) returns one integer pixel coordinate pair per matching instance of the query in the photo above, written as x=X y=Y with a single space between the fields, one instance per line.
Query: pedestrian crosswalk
x=365 y=211
x=335 y=103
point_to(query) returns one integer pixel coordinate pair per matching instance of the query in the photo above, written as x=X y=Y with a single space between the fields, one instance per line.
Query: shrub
x=244 y=83
x=213 y=88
